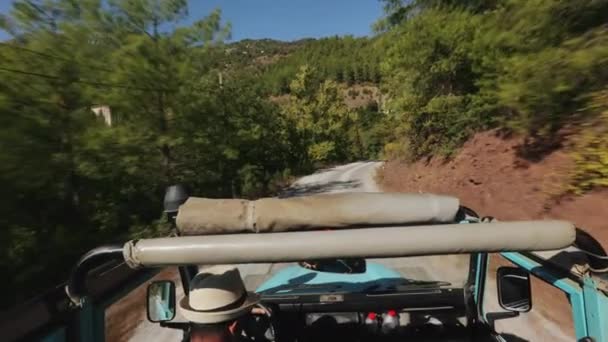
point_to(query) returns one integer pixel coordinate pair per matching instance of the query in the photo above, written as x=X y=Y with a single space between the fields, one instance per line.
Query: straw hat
x=217 y=294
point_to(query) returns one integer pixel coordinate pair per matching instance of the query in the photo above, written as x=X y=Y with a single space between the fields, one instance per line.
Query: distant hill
x=346 y=60
x=258 y=52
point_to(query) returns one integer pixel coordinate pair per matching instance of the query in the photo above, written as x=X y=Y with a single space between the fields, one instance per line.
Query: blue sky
x=286 y=19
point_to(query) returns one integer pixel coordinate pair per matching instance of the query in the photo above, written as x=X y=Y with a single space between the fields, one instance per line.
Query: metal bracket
x=600 y=283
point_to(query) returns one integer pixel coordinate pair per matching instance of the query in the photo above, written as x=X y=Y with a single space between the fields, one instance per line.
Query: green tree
x=165 y=65
x=74 y=181
x=49 y=81
x=569 y=36
x=433 y=87
x=454 y=67
x=338 y=58
x=319 y=118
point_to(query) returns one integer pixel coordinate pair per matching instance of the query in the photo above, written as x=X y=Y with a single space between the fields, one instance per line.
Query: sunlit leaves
x=319 y=116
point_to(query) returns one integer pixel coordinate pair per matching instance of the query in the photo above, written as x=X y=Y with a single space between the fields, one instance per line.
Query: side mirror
x=514 y=291
x=161 y=301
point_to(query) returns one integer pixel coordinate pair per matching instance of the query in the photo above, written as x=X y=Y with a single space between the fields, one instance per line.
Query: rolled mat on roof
x=364 y=242
x=200 y=216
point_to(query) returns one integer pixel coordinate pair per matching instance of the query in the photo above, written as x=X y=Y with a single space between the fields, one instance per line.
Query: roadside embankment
x=493 y=176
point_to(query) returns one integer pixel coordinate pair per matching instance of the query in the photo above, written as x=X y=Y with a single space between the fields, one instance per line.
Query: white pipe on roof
x=363 y=242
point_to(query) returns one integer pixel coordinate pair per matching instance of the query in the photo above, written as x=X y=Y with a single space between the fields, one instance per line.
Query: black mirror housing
x=175 y=195
x=341 y=265
x=514 y=290
x=160 y=301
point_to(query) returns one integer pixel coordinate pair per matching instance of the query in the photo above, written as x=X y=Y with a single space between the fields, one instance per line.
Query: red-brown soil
x=490 y=176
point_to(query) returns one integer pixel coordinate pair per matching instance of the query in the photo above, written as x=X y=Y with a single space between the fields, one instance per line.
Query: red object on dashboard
x=371 y=315
x=392 y=313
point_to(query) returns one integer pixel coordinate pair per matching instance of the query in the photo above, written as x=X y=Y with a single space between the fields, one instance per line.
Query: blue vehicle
x=367 y=279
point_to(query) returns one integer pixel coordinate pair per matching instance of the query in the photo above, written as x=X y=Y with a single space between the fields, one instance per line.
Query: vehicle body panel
x=588 y=302
x=287 y=279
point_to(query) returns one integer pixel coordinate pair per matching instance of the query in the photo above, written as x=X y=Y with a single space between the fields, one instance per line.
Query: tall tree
x=164 y=64
x=48 y=81
x=74 y=181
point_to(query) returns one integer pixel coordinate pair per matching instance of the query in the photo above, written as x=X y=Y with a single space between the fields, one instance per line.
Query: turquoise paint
x=589 y=305
x=91 y=322
x=352 y=282
x=57 y=335
x=596 y=305
x=480 y=276
x=578 y=309
x=569 y=286
x=85 y=321
x=163 y=311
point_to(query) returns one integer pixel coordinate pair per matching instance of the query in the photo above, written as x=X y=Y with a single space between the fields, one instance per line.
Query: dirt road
x=360 y=176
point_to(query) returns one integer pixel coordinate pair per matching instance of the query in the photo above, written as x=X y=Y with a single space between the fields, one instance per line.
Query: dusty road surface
x=360 y=176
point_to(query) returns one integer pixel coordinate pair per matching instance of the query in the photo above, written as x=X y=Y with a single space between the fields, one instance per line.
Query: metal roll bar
x=76 y=286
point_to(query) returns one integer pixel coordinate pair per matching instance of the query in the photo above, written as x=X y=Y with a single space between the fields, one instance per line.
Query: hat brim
x=217 y=316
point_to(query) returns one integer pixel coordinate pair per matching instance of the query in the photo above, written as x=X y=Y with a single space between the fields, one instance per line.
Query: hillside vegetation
x=185 y=108
x=241 y=119
x=341 y=59
x=532 y=67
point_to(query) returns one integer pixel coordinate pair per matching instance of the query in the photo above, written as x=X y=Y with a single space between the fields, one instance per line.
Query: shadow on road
x=317 y=188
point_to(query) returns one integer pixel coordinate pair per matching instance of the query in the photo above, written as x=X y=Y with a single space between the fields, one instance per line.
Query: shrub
x=591 y=153
x=548 y=88
x=431 y=82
